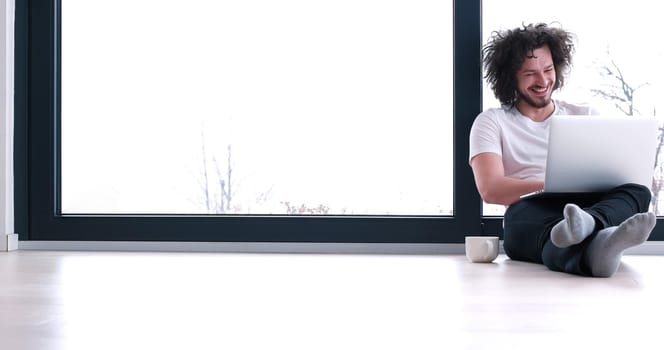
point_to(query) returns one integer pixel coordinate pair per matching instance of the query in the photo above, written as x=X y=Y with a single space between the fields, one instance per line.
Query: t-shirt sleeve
x=484 y=136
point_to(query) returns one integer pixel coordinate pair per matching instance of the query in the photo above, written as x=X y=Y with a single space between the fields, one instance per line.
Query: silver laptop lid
x=596 y=153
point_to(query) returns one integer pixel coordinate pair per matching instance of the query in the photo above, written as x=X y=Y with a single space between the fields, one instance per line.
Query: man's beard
x=525 y=98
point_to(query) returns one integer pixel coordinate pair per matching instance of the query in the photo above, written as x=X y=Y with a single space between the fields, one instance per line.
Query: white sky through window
x=340 y=104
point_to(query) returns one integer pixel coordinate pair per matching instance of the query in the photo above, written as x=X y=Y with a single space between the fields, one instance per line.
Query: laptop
x=591 y=153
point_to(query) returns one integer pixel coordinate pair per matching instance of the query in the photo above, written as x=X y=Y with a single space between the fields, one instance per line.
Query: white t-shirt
x=520 y=141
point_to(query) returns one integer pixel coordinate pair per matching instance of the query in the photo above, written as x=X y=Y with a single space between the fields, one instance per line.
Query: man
x=582 y=234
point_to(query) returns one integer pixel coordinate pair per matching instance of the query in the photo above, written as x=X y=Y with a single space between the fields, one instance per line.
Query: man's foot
x=604 y=252
x=574 y=228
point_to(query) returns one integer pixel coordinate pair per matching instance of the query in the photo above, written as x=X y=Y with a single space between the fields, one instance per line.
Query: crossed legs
x=605 y=250
x=588 y=241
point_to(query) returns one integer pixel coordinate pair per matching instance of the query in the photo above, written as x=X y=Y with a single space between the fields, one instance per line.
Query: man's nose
x=540 y=78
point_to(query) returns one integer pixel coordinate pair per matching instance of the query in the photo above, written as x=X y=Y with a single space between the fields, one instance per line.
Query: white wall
x=8 y=240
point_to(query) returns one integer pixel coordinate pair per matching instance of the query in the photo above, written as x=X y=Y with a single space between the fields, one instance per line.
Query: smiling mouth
x=539 y=90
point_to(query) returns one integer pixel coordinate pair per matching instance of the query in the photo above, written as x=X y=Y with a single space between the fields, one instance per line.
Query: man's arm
x=494 y=186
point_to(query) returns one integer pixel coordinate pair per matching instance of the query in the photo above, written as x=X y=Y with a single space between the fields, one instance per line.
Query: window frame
x=37 y=152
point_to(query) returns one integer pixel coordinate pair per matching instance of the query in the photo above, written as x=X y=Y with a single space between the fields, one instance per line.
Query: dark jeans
x=528 y=224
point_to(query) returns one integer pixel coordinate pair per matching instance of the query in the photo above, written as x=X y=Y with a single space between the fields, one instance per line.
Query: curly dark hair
x=506 y=51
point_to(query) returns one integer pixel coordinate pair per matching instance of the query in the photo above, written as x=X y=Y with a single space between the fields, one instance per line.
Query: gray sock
x=604 y=252
x=574 y=228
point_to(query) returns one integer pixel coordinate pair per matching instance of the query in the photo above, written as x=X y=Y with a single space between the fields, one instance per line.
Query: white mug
x=483 y=249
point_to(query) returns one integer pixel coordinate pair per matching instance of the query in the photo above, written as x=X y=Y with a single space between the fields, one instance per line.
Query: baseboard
x=248 y=247
x=649 y=248
x=9 y=242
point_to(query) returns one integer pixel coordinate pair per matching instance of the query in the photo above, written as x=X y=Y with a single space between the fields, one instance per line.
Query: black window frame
x=38 y=216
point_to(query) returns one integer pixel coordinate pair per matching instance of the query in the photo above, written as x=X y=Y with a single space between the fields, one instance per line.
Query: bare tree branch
x=622 y=93
x=206 y=186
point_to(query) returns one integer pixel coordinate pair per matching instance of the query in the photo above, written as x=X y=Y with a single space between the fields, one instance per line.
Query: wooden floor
x=111 y=300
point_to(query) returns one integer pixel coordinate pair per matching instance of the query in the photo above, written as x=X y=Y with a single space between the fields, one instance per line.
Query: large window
x=257 y=107
x=254 y=121
x=285 y=121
